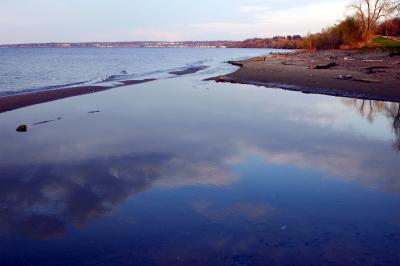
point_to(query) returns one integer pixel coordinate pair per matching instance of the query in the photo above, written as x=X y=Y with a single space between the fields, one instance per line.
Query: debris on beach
x=349 y=77
x=369 y=80
x=260 y=58
x=22 y=128
x=326 y=66
x=375 y=69
x=235 y=63
x=345 y=77
x=373 y=60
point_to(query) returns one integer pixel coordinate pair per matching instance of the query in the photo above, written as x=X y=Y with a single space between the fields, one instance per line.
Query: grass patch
x=386 y=42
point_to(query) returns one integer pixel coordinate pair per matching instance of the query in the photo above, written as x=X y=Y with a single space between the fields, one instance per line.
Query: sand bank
x=12 y=102
x=356 y=74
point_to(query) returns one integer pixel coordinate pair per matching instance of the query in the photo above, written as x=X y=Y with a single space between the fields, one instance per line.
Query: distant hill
x=149 y=44
x=287 y=42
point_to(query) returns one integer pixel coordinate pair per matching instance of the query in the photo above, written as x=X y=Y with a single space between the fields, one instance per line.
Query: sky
x=32 y=21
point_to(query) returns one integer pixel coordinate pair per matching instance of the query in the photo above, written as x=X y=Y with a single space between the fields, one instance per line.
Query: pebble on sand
x=22 y=128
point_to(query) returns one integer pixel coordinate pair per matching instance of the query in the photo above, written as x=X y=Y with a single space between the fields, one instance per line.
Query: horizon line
x=142 y=41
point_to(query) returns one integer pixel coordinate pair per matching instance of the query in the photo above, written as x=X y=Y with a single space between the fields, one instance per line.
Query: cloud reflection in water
x=52 y=181
x=42 y=200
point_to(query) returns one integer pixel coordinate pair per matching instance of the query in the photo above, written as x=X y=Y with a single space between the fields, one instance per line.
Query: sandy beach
x=12 y=102
x=361 y=74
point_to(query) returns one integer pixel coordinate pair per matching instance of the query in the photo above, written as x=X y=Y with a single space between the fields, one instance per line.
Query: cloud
x=7 y=21
x=248 y=9
x=22 y=21
x=266 y=22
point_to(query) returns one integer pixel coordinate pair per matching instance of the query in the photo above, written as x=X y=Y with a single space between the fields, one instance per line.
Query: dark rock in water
x=22 y=128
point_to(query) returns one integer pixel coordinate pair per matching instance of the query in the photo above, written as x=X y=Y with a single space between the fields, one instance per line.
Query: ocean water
x=24 y=70
x=182 y=171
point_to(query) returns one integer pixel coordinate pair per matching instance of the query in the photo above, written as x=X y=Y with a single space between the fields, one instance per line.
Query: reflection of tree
x=394 y=113
x=369 y=109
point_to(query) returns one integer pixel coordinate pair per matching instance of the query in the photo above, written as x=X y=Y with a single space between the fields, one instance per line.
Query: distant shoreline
x=139 y=44
x=371 y=75
x=277 y=42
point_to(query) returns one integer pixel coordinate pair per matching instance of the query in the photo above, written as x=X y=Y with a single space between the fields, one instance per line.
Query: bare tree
x=369 y=12
x=396 y=6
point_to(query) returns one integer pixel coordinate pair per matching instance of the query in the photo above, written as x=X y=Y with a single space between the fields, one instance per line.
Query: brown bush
x=346 y=34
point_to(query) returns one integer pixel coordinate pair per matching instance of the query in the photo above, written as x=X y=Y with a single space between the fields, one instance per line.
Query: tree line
x=368 y=18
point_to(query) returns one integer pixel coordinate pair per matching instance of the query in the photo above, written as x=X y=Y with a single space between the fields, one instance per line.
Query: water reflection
x=250 y=211
x=52 y=182
x=40 y=201
x=370 y=109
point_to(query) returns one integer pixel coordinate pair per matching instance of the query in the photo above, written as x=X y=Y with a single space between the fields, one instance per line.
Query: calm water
x=24 y=70
x=181 y=171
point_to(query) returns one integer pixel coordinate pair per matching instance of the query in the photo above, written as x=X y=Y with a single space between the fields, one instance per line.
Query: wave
x=152 y=74
x=120 y=77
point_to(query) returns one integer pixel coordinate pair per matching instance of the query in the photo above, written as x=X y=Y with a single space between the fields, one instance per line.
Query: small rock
x=22 y=128
x=346 y=77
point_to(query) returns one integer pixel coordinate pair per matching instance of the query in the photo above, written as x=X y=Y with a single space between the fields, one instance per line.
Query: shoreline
x=16 y=101
x=370 y=75
x=13 y=102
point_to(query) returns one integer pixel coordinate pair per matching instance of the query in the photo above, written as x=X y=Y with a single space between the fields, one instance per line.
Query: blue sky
x=124 y=20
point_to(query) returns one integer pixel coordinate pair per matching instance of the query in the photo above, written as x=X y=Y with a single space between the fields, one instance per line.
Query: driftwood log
x=326 y=66
x=235 y=63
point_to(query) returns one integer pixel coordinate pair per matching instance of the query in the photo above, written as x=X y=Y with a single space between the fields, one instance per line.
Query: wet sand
x=361 y=74
x=12 y=102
